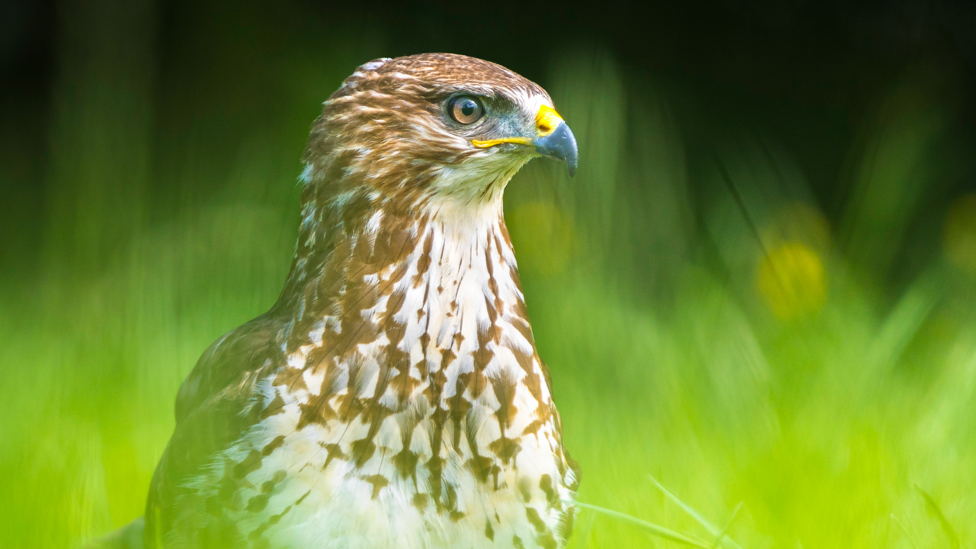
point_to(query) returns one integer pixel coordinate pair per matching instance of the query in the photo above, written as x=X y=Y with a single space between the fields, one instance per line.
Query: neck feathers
x=409 y=302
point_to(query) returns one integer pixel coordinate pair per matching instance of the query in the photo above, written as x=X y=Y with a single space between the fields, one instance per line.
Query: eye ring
x=465 y=109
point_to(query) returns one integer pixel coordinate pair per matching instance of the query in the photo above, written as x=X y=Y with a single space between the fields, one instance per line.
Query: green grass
x=829 y=404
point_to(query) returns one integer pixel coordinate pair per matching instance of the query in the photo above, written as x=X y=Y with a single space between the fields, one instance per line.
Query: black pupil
x=468 y=107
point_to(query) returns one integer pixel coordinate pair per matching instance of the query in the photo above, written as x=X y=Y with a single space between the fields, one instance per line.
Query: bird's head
x=433 y=132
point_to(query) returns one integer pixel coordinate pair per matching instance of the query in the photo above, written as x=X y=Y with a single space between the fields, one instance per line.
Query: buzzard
x=393 y=396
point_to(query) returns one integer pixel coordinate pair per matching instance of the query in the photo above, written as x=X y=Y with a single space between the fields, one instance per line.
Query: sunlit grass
x=720 y=536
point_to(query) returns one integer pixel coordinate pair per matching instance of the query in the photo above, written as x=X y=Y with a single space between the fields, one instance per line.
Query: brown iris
x=466 y=109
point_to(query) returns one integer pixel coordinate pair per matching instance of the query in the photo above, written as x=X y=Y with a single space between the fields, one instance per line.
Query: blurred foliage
x=707 y=321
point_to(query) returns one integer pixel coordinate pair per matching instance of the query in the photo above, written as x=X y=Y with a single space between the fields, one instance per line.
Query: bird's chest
x=323 y=494
x=422 y=478
x=442 y=438
x=429 y=425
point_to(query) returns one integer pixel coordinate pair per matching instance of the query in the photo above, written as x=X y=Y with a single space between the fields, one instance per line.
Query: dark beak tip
x=560 y=145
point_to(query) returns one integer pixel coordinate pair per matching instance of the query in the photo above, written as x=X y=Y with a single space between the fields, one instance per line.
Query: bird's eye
x=466 y=109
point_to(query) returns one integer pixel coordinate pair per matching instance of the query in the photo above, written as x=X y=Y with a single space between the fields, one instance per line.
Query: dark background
x=805 y=72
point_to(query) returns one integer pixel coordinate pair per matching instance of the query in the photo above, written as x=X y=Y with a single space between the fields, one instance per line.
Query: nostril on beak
x=546 y=121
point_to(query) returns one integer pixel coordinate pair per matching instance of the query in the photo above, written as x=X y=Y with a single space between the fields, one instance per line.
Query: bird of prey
x=393 y=396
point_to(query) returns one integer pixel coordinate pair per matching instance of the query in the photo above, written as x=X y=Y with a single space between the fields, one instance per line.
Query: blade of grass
x=735 y=513
x=583 y=532
x=654 y=529
x=692 y=512
x=950 y=532
x=907 y=533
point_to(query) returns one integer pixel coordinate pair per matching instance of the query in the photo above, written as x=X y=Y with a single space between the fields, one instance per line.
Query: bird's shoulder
x=215 y=406
x=230 y=367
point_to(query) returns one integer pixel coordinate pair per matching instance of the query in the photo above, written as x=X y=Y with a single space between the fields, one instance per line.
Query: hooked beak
x=553 y=139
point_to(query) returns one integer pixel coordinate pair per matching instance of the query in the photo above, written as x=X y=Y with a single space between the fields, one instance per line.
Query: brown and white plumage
x=393 y=396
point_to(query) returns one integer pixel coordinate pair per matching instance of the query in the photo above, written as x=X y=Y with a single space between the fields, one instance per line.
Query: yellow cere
x=546 y=122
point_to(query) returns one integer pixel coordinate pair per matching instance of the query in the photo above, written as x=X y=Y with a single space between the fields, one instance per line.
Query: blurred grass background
x=759 y=288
